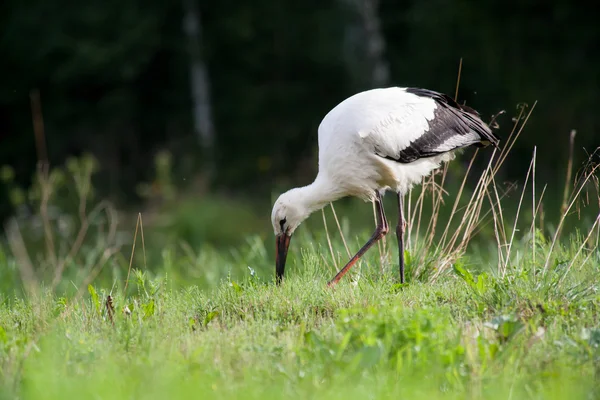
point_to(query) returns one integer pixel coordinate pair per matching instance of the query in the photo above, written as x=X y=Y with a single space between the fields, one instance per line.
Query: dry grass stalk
x=575 y=196
x=563 y=206
x=19 y=250
x=337 y=222
x=458 y=79
x=471 y=216
x=533 y=209
x=580 y=249
x=333 y=258
x=512 y=236
x=138 y=225
x=81 y=235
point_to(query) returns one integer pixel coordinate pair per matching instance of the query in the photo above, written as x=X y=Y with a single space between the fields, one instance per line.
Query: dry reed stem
x=19 y=250
x=497 y=235
x=470 y=209
x=458 y=197
x=138 y=224
x=500 y=220
x=379 y=242
x=437 y=201
x=420 y=201
x=564 y=216
x=533 y=209
x=45 y=193
x=42 y=171
x=81 y=234
x=581 y=248
x=328 y=239
x=505 y=151
x=472 y=214
x=529 y=171
x=563 y=205
x=483 y=217
x=340 y=230
x=458 y=79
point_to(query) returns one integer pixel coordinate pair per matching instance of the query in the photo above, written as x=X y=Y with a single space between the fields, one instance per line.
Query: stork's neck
x=318 y=194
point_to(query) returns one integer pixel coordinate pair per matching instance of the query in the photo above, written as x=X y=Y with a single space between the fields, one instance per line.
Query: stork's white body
x=384 y=119
x=373 y=141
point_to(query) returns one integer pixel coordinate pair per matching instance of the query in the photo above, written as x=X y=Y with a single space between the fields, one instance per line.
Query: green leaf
x=210 y=316
x=237 y=287
x=482 y=283
x=464 y=274
x=3 y=335
x=407 y=257
x=148 y=309
x=95 y=299
x=343 y=345
x=509 y=328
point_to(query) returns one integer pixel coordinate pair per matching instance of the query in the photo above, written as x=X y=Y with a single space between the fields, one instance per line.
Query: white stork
x=378 y=140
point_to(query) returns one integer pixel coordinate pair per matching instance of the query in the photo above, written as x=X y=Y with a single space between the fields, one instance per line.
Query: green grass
x=520 y=336
x=495 y=309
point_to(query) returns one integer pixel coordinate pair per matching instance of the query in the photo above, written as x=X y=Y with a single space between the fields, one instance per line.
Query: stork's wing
x=430 y=125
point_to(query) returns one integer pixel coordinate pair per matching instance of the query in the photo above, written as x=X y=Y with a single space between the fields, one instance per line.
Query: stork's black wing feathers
x=451 y=121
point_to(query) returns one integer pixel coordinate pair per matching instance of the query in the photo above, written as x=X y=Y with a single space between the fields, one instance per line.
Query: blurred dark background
x=235 y=90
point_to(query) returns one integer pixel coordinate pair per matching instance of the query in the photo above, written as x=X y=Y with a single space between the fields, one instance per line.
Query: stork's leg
x=400 y=234
x=380 y=231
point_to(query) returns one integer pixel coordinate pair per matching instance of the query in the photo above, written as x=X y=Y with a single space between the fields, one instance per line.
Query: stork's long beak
x=283 y=243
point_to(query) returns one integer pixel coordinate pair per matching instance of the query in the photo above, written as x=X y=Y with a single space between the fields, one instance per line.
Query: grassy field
x=522 y=335
x=501 y=300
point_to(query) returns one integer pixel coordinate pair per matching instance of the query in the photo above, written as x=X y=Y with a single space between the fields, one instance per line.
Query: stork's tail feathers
x=470 y=116
x=491 y=138
x=484 y=130
x=477 y=125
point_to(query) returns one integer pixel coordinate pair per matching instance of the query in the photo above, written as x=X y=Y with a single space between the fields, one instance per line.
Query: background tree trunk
x=364 y=44
x=200 y=88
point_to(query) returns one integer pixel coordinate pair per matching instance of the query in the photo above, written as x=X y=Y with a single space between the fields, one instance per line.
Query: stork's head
x=288 y=212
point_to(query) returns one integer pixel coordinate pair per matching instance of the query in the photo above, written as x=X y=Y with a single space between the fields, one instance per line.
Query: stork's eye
x=282 y=222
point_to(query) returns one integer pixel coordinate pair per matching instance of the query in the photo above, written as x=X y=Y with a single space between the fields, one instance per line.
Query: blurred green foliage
x=114 y=81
